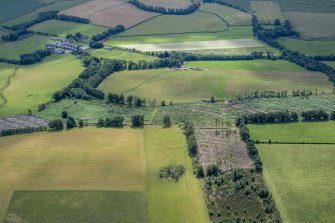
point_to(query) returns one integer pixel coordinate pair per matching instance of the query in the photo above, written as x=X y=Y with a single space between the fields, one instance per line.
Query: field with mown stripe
x=121 y=55
x=267 y=11
x=33 y=85
x=219 y=79
x=309 y=47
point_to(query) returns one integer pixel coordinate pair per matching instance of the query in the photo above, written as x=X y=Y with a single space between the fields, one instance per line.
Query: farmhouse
x=62 y=47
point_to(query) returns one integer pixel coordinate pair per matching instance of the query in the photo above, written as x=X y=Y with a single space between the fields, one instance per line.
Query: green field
x=13 y=50
x=43 y=80
x=330 y=63
x=6 y=70
x=307 y=5
x=235 y=51
x=220 y=79
x=301 y=179
x=81 y=206
x=97 y=175
x=121 y=55
x=294 y=132
x=14 y=8
x=230 y=15
x=267 y=11
x=192 y=23
x=62 y=28
x=309 y=47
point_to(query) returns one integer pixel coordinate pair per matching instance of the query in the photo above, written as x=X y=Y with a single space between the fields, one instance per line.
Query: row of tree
x=28 y=58
x=222 y=2
x=14 y=36
x=271 y=117
x=72 y=19
x=130 y=100
x=108 y=33
x=315 y=115
x=170 y=11
x=9 y=132
x=115 y=121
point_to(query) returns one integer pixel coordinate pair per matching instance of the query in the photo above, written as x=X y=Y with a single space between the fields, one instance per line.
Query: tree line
x=28 y=58
x=15 y=35
x=222 y=2
x=270 y=117
x=72 y=19
x=170 y=11
x=9 y=132
x=120 y=99
x=95 y=44
x=115 y=121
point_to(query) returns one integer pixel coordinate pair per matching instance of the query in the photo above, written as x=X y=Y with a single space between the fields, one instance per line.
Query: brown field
x=110 y=13
x=313 y=25
x=222 y=146
x=177 y=4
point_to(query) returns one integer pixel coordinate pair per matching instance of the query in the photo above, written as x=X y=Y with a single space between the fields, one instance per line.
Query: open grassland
x=35 y=84
x=294 y=132
x=219 y=79
x=13 y=50
x=230 y=15
x=171 y=201
x=88 y=159
x=267 y=11
x=301 y=180
x=110 y=13
x=309 y=47
x=6 y=70
x=313 y=25
x=62 y=28
x=195 y=22
x=81 y=206
x=237 y=32
x=174 y=4
x=200 y=45
x=307 y=5
x=121 y=55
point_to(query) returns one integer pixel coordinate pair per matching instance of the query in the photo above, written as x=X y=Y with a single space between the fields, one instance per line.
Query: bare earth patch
x=110 y=13
x=200 y=45
x=223 y=147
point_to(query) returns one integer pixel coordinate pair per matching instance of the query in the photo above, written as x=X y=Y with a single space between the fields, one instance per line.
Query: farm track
x=2 y=96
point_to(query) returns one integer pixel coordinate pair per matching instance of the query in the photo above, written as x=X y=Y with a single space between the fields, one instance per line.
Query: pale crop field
x=176 y=4
x=267 y=11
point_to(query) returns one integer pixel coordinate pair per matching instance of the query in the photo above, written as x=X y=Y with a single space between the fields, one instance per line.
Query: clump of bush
x=172 y=173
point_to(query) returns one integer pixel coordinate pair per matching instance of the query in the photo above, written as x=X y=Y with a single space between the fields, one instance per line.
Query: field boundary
x=2 y=96
x=294 y=143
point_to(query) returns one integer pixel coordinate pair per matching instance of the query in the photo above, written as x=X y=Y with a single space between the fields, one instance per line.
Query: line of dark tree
x=294 y=143
x=9 y=132
x=42 y=16
x=330 y=57
x=108 y=33
x=271 y=117
x=222 y=2
x=137 y=120
x=120 y=99
x=28 y=58
x=115 y=121
x=72 y=19
x=15 y=35
x=170 y=11
x=316 y=115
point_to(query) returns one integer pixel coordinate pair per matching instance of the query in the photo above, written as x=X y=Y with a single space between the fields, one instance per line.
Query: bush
x=167 y=121
x=56 y=124
x=64 y=114
x=172 y=173
x=137 y=120
x=213 y=170
x=70 y=123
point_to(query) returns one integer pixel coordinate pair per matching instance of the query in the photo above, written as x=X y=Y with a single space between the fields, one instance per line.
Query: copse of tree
x=137 y=120
x=56 y=124
x=110 y=32
x=15 y=36
x=70 y=122
x=172 y=173
x=31 y=58
x=64 y=114
x=315 y=115
x=171 y=11
x=271 y=117
x=212 y=170
x=81 y=123
x=42 y=16
x=96 y=45
x=115 y=121
x=167 y=121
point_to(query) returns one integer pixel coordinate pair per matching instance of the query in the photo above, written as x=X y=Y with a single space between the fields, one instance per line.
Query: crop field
x=195 y=22
x=201 y=45
x=313 y=25
x=176 y=4
x=110 y=13
x=86 y=179
x=235 y=32
x=45 y=78
x=121 y=55
x=267 y=11
x=231 y=15
x=13 y=8
x=307 y=5
x=309 y=47
x=219 y=79
x=13 y=50
x=301 y=180
x=242 y=4
x=62 y=28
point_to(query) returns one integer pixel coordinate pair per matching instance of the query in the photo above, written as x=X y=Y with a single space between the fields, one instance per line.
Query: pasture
x=192 y=23
x=330 y=63
x=13 y=50
x=201 y=45
x=6 y=70
x=236 y=32
x=312 y=25
x=174 y=4
x=219 y=79
x=301 y=180
x=62 y=28
x=33 y=85
x=14 y=8
x=307 y=5
x=121 y=55
x=230 y=15
x=110 y=13
x=309 y=47
x=267 y=11
x=242 y=4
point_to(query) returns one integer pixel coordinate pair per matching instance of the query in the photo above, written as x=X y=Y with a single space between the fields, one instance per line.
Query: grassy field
x=62 y=28
x=195 y=22
x=242 y=4
x=301 y=180
x=267 y=11
x=231 y=15
x=237 y=51
x=3 y=32
x=121 y=55
x=220 y=79
x=180 y=201
x=331 y=63
x=81 y=206
x=312 y=25
x=294 y=132
x=312 y=47
x=307 y=5
x=44 y=79
x=14 y=8
x=5 y=71
x=13 y=50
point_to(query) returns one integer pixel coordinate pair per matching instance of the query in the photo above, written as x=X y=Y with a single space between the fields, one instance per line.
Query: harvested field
x=267 y=11
x=110 y=13
x=201 y=45
x=195 y=22
x=21 y=122
x=307 y=5
x=231 y=15
x=176 y=4
x=224 y=147
x=313 y=25
x=242 y=4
